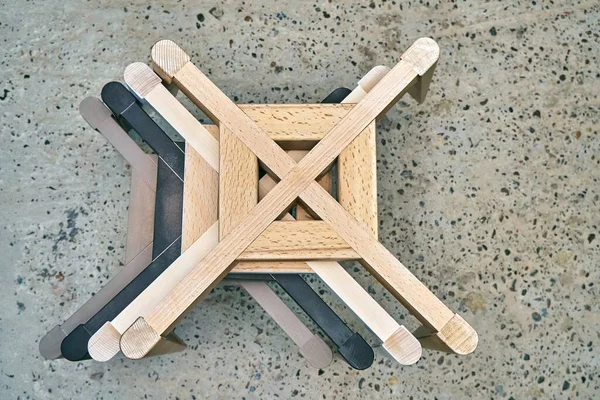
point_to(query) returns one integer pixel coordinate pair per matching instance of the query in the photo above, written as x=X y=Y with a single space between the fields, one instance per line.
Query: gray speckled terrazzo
x=489 y=192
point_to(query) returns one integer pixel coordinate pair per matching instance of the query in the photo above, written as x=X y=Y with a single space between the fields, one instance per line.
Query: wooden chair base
x=247 y=223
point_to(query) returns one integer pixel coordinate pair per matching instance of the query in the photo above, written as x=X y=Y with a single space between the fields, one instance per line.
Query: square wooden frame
x=284 y=246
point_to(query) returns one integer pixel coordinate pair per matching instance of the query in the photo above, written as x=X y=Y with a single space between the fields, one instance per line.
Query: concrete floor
x=489 y=191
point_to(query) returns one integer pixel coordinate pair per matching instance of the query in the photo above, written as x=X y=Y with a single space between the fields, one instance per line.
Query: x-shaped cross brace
x=443 y=329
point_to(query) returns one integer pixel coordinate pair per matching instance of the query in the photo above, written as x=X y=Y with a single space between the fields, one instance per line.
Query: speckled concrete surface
x=489 y=191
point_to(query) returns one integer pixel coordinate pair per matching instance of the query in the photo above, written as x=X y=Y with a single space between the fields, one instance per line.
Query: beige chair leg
x=455 y=337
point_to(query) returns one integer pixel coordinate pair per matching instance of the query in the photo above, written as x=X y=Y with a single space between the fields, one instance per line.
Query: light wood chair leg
x=457 y=336
x=161 y=344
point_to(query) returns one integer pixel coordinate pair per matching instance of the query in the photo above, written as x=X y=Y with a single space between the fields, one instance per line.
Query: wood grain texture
x=326 y=181
x=302 y=212
x=296 y=179
x=403 y=346
x=298 y=240
x=423 y=59
x=296 y=126
x=147 y=80
x=104 y=344
x=200 y=197
x=357 y=179
x=137 y=76
x=457 y=336
x=238 y=181
x=357 y=163
x=366 y=83
x=272 y=267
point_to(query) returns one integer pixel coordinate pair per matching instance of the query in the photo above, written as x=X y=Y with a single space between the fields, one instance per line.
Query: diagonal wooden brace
x=296 y=180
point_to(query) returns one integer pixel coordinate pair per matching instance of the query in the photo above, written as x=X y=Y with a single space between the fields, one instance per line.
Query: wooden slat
x=177 y=116
x=357 y=179
x=298 y=240
x=272 y=267
x=296 y=126
x=200 y=197
x=238 y=181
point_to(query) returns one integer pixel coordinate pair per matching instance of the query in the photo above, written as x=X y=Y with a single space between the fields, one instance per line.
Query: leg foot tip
x=403 y=347
x=138 y=340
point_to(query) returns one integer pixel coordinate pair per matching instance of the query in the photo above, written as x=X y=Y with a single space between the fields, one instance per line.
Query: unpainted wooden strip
x=272 y=267
x=296 y=126
x=357 y=179
x=298 y=240
x=457 y=336
x=138 y=75
x=238 y=181
x=200 y=197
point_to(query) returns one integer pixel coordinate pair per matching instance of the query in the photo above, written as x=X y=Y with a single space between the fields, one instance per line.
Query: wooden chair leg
x=457 y=336
x=162 y=344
